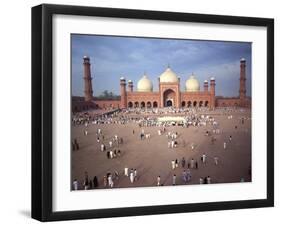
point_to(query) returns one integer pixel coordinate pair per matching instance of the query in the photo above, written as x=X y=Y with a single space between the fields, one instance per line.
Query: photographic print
x=138 y=112
x=159 y=112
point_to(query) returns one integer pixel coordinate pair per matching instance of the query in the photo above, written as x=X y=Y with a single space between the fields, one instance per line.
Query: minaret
x=242 y=89
x=213 y=92
x=88 y=90
x=123 y=92
x=206 y=86
x=130 y=86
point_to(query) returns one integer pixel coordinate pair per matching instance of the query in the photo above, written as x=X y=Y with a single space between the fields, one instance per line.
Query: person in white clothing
x=201 y=181
x=110 y=181
x=204 y=157
x=126 y=171
x=216 y=159
x=132 y=177
x=75 y=184
x=173 y=164
x=158 y=181
x=224 y=145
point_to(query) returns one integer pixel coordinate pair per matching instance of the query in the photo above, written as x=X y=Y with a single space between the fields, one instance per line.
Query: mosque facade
x=168 y=94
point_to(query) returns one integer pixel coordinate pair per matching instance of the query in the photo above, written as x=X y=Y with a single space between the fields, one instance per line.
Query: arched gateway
x=169 y=97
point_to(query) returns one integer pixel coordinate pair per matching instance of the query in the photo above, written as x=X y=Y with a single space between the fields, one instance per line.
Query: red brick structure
x=168 y=94
x=88 y=90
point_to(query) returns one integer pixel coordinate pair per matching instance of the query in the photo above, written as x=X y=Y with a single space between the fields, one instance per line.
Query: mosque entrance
x=169 y=103
x=169 y=97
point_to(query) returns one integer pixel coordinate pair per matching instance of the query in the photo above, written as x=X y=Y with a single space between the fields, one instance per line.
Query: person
x=95 y=182
x=86 y=181
x=119 y=153
x=126 y=171
x=216 y=160
x=110 y=181
x=116 y=175
x=73 y=146
x=188 y=175
x=208 y=180
x=135 y=174
x=196 y=164
x=201 y=181
x=174 y=179
x=176 y=163
x=203 y=158
x=184 y=176
x=224 y=145
x=133 y=131
x=76 y=144
x=132 y=176
x=192 y=162
x=205 y=180
x=173 y=164
x=85 y=132
x=230 y=138
x=183 y=162
x=108 y=154
x=102 y=147
x=104 y=181
x=158 y=181
x=192 y=146
x=75 y=184
x=111 y=154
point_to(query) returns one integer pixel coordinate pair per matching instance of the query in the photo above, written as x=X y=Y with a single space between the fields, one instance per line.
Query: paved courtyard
x=152 y=157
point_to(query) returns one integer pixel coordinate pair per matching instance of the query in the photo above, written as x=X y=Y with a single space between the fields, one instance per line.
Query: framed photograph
x=146 y=112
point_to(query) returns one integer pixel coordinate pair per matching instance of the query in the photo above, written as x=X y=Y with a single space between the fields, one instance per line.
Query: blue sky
x=113 y=57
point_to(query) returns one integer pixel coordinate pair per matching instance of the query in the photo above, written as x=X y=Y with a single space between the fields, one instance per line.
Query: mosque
x=168 y=94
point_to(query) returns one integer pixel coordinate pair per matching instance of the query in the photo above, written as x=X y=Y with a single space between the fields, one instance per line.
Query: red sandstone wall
x=105 y=104
x=138 y=99
x=233 y=102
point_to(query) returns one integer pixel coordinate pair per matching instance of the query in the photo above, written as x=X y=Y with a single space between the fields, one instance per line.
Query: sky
x=112 y=57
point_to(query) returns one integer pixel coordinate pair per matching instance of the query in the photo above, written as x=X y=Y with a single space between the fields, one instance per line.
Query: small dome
x=168 y=76
x=144 y=85
x=192 y=84
x=242 y=59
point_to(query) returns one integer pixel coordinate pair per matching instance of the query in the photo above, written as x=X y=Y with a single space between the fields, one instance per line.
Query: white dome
x=168 y=76
x=144 y=85
x=192 y=84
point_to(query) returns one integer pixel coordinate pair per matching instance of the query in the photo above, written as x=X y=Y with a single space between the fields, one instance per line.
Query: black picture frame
x=42 y=107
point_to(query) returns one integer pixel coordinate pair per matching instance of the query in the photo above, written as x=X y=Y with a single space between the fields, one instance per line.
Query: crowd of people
x=111 y=145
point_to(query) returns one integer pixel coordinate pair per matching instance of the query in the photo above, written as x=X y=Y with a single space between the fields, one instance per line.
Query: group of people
x=132 y=174
x=141 y=118
x=86 y=184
